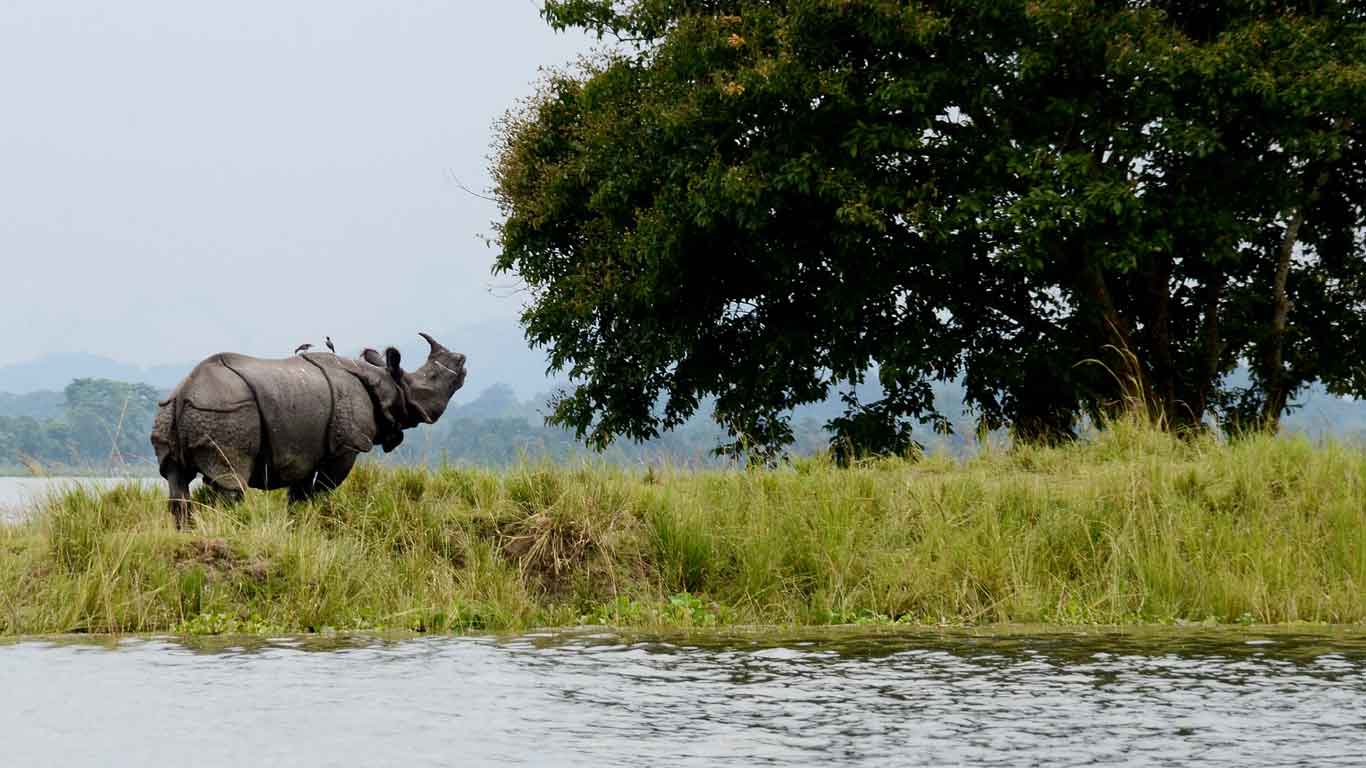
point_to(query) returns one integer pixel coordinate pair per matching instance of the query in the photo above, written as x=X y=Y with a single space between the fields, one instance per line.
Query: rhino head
x=430 y=387
x=428 y=390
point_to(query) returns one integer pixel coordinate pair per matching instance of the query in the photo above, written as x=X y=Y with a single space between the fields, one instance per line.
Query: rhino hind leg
x=178 y=486
x=223 y=445
x=177 y=476
x=226 y=471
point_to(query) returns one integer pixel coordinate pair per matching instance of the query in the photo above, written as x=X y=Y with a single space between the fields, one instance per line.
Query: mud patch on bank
x=218 y=558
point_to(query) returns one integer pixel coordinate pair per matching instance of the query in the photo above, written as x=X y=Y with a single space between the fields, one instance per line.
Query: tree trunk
x=1132 y=380
x=1158 y=312
x=1278 y=384
x=1211 y=346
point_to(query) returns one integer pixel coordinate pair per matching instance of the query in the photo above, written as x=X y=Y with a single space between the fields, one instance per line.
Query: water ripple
x=594 y=698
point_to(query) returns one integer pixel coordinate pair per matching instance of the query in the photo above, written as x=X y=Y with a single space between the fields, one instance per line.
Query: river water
x=1180 y=698
x=18 y=494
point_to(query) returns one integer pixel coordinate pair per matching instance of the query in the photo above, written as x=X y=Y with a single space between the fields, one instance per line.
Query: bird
x=329 y=344
x=302 y=348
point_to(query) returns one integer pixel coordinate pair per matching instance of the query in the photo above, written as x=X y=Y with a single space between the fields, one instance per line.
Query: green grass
x=1131 y=527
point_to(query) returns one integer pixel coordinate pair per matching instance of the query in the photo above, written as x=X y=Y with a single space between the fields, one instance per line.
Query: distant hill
x=1319 y=414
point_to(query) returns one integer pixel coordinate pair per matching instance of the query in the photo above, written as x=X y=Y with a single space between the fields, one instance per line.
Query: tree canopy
x=1060 y=202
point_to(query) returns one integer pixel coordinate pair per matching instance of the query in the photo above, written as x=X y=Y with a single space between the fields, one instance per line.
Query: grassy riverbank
x=1132 y=527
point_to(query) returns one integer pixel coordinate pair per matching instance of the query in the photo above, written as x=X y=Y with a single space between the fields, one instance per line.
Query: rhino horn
x=435 y=345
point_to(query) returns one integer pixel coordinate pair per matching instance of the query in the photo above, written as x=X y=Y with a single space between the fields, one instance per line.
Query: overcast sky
x=178 y=179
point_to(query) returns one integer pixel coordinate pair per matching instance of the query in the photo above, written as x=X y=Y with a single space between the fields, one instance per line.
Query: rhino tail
x=166 y=437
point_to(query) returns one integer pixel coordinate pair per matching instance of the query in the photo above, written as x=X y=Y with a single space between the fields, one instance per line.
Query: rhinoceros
x=297 y=423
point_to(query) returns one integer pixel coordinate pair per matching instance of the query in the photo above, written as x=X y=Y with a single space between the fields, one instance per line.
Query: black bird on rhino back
x=297 y=423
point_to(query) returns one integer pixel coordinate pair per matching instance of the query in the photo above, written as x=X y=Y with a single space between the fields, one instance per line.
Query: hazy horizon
x=181 y=180
x=496 y=350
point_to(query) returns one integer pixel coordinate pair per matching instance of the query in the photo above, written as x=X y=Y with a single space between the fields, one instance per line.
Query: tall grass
x=1132 y=526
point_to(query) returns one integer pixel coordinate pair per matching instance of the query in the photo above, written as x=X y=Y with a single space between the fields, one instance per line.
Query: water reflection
x=595 y=698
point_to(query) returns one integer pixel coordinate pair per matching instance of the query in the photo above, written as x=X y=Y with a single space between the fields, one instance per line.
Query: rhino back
x=295 y=403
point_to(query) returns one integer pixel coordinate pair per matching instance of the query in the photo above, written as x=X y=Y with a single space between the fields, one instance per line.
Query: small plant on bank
x=223 y=624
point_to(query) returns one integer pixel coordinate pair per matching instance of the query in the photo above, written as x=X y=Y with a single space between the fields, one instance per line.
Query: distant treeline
x=91 y=423
x=104 y=424
x=498 y=429
x=99 y=423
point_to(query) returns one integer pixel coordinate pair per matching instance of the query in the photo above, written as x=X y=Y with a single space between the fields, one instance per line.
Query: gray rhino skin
x=297 y=423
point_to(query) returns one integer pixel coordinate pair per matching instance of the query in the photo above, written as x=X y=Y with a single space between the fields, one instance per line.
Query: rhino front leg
x=225 y=495
x=330 y=474
x=302 y=490
x=334 y=471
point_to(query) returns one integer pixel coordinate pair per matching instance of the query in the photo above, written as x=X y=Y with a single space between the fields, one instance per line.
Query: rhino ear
x=372 y=357
x=392 y=359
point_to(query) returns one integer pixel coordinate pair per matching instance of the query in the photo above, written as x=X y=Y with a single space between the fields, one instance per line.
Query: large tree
x=1062 y=202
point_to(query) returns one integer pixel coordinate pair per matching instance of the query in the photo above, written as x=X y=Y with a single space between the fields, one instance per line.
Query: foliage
x=1066 y=205
x=1133 y=526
